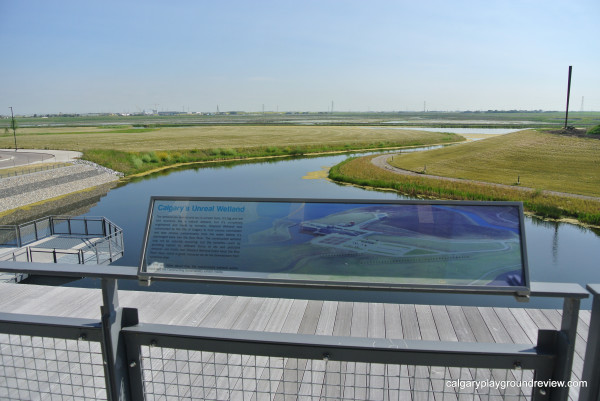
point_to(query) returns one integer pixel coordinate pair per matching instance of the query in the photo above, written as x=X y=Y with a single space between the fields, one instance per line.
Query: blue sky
x=119 y=56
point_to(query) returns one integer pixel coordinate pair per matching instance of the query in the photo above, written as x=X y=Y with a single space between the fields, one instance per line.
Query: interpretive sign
x=370 y=244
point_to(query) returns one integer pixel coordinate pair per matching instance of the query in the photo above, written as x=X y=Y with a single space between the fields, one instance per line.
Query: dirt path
x=381 y=162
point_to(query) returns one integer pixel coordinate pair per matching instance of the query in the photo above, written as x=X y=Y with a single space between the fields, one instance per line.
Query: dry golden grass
x=210 y=137
x=540 y=160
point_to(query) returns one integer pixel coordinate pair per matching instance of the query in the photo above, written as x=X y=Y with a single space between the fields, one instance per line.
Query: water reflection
x=557 y=252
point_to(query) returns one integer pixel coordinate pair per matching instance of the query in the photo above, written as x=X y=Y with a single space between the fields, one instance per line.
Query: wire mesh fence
x=175 y=374
x=44 y=368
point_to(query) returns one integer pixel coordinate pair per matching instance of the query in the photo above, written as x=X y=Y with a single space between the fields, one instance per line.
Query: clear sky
x=124 y=56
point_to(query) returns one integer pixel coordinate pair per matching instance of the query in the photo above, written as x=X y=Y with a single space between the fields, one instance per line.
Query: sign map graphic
x=418 y=243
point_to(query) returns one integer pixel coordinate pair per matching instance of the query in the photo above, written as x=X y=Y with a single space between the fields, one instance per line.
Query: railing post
x=109 y=251
x=51 y=223
x=547 y=342
x=591 y=364
x=116 y=366
x=566 y=346
x=19 y=242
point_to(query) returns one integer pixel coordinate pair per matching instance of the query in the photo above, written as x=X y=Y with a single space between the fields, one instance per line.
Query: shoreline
x=420 y=193
x=253 y=158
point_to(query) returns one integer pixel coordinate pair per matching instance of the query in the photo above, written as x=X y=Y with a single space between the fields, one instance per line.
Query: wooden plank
x=343 y=319
x=292 y=370
x=393 y=322
x=527 y=324
x=295 y=316
x=328 y=318
x=512 y=326
x=360 y=320
x=480 y=330
x=398 y=375
x=446 y=332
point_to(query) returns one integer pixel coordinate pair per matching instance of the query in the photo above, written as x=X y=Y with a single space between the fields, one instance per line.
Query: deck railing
x=30 y=170
x=116 y=357
x=107 y=244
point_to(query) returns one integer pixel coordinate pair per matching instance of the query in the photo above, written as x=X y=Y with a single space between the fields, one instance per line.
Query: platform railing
x=30 y=170
x=116 y=357
x=106 y=249
x=8 y=237
x=591 y=365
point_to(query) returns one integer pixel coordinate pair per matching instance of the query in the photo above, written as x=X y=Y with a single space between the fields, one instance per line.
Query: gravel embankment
x=36 y=187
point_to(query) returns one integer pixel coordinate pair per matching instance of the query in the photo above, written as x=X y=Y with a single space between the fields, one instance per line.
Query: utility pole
x=14 y=127
x=568 y=95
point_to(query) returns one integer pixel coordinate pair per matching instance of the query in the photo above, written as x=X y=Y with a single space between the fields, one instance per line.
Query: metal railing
x=29 y=170
x=154 y=361
x=9 y=236
x=106 y=249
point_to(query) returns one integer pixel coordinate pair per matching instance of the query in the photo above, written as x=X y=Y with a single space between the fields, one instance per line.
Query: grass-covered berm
x=541 y=161
x=137 y=150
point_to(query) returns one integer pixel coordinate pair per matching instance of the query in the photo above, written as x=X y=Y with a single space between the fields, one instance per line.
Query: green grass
x=360 y=171
x=133 y=151
x=218 y=137
x=535 y=159
x=130 y=162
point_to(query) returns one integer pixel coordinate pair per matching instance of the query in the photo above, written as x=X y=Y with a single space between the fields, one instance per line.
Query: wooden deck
x=377 y=320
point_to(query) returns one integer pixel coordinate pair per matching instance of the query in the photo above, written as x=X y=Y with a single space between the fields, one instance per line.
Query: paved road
x=10 y=158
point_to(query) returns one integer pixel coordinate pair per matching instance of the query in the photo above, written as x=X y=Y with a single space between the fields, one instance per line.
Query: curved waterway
x=557 y=252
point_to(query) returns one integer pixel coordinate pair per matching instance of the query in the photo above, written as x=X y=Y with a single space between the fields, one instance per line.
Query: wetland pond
x=557 y=252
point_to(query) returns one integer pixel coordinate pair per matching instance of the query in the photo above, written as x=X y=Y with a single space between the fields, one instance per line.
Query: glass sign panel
x=340 y=243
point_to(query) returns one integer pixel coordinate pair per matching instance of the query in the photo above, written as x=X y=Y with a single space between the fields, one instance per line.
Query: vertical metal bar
x=69 y=224
x=566 y=347
x=51 y=221
x=134 y=356
x=113 y=344
x=547 y=342
x=591 y=364
x=35 y=230
x=85 y=226
x=568 y=95
x=110 y=258
x=54 y=255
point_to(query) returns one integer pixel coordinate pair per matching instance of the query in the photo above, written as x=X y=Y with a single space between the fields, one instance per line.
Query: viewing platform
x=61 y=239
x=171 y=374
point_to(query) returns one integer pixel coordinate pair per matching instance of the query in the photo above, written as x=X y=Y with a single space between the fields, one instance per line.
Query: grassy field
x=134 y=150
x=544 y=162
x=536 y=159
x=209 y=137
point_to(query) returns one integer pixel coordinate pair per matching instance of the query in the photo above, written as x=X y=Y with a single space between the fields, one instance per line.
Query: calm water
x=557 y=252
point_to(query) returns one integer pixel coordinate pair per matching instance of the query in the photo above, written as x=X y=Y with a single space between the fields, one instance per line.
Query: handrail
x=556 y=347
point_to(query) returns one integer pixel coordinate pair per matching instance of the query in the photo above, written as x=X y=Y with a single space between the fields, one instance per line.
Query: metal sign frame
x=248 y=278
